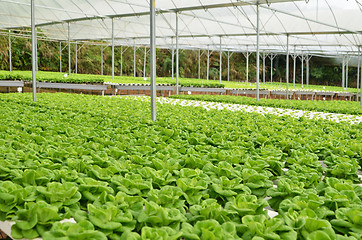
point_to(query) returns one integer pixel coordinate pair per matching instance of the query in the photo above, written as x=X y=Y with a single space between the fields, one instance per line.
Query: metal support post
x=307 y=74
x=177 y=56
x=60 y=56
x=343 y=73
x=294 y=67
x=264 y=67
x=199 y=68
x=247 y=65
x=360 y=84
x=121 y=70
x=358 y=72
x=172 y=60
x=228 y=65
x=101 y=57
x=10 y=57
x=33 y=48
x=208 y=63
x=153 y=58
x=272 y=56
x=36 y=50
x=144 y=63
x=113 y=49
x=302 y=71
x=257 y=49
x=134 y=59
x=76 y=57
x=220 y=63
x=69 y=56
x=347 y=63
x=287 y=70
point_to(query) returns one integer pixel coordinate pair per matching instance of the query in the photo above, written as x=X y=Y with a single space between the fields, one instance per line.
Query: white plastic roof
x=328 y=27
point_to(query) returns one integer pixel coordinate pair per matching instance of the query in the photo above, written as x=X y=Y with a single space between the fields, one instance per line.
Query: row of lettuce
x=91 y=79
x=193 y=174
x=344 y=107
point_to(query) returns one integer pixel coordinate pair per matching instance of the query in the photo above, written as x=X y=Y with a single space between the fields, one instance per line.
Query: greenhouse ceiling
x=326 y=27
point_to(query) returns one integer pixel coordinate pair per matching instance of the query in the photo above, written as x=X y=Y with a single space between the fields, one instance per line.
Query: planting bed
x=193 y=174
x=343 y=107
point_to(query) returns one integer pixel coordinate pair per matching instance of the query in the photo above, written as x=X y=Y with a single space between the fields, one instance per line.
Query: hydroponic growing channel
x=193 y=174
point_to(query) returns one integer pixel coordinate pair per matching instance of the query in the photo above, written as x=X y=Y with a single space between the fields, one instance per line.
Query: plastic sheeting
x=329 y=27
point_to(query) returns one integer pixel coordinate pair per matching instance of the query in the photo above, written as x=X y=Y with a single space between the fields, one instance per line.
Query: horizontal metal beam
x=159 y=11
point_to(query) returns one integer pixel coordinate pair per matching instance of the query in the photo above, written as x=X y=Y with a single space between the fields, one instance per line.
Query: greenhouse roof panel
x=311 y=25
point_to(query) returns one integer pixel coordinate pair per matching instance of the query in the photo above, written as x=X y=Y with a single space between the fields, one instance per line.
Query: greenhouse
x=155 y=119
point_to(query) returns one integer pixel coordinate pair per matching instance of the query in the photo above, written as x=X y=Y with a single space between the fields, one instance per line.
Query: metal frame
x=10 y=56
x=153 y=58
x=33 y=48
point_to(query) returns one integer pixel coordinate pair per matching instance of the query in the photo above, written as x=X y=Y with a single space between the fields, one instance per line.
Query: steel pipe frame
x=302 y=70
x=33 y=48
x=294 y=66
x=102 y=58
x=177 y=55
x=153 y=59
x=76 y=57
x=257 y=49
x=360 y=85
x=287 y=68
x=134 y=57
x=112 y=36
x=145 y=63
x=345 y=31
x=220 y=61
x=358 y=72
x=121 y=70
x=307 y=73
x=343 y=74
x=172 y=60
x=60 y=56
x=208 y=63
x=36 y=50
x=347 y=63
x=272 y=56
x=246 y=55
x=199 y=67
x=264 y=67
x=201 y=7
x=69 y=55
x=228 y=65
x=10 y=57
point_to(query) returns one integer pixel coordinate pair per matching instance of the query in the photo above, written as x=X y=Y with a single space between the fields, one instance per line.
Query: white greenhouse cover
x=319 y=27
